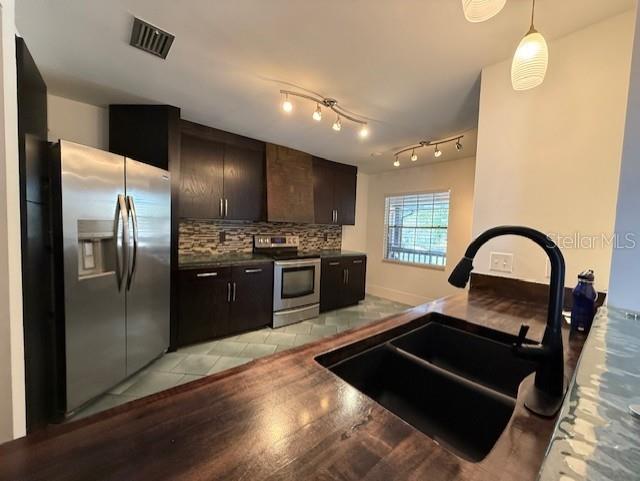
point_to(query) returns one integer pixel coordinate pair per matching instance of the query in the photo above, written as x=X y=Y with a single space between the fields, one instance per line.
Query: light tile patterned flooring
x=199 y=360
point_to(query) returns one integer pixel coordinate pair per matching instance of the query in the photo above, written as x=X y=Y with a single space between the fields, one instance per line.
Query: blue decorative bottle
x=584 y=302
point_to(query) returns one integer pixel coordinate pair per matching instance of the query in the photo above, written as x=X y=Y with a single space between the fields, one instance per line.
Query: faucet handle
x=522 y=334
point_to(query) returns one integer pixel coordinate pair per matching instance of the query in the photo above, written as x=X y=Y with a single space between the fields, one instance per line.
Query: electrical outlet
x=501 y=262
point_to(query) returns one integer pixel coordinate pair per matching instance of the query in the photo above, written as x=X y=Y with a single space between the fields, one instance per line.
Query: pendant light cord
x=533 y=9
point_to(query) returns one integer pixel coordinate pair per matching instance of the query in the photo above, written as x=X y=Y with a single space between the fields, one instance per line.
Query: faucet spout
x=545 y=396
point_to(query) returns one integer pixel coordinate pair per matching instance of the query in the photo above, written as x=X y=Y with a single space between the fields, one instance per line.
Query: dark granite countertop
x=203 y=261
x=285 y=417
x=331 y=253
x=596 y=437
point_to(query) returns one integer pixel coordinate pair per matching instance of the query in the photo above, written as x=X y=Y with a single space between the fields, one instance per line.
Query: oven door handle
x=294 y=263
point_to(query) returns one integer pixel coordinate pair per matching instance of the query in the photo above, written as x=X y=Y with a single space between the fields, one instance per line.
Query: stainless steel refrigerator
x=112 y=222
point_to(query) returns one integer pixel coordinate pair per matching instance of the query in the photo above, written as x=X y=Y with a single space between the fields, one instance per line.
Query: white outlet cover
x=501 y=262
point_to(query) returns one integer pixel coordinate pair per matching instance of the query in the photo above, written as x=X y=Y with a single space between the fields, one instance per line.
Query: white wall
x=78 y=122
x=625 y=265
x=549 y=158
x=411 y=284
x=354 y=237
x=12 y=395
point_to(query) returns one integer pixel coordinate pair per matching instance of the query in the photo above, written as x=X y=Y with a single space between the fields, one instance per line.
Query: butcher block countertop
x=285 y=417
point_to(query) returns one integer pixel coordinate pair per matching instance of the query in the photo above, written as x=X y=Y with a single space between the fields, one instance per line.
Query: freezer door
x=148 y=281
x=94 y=229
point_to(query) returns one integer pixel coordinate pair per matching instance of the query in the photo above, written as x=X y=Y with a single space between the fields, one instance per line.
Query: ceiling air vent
x=150 y=39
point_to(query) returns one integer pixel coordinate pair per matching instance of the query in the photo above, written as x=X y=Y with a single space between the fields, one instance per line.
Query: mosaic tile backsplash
x=203 y=236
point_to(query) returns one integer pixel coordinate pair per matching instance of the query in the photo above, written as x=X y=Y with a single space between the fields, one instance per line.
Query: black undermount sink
x=456 y=386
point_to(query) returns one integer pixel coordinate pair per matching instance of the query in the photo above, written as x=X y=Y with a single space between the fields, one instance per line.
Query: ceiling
x=411 y=66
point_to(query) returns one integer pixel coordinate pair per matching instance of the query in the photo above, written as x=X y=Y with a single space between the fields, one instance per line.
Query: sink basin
x=477 y=358
x=457 y=387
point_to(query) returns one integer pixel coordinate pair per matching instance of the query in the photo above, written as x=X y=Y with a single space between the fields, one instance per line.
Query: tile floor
x=199 y=360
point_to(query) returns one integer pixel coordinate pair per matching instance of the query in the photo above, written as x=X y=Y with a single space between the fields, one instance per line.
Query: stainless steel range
x=296 y=279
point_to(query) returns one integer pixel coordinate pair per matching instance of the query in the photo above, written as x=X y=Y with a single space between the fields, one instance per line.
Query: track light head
x=396 y=163
x=287 y=106
x=337 y=125
x=414 y=156
x=459 y=146
x=437 y=153
x=364 y=131
x=317 y=114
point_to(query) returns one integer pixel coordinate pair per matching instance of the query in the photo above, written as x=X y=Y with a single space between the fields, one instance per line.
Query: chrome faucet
x=545 y=396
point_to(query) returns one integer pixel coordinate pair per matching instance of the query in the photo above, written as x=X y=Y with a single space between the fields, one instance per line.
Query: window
x=415 y=228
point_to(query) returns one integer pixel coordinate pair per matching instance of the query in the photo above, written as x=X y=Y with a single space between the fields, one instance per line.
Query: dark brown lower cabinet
x=224 y=301
x=252 y=297
x=204 y=304
x=342 y=282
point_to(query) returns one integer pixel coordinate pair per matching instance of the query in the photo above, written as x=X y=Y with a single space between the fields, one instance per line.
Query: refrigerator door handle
x=228 y=291
x=134 y=220
x=221 y=208
x=234 y=292
x=226 y=207
x=121 y=249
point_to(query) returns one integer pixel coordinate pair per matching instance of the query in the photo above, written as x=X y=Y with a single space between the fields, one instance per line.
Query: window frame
x=385 y=228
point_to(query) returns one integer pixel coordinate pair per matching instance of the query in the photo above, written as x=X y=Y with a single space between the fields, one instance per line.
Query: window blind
x=416 y=228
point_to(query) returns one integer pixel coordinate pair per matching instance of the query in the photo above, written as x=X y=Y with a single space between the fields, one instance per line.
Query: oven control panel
x=275 y=241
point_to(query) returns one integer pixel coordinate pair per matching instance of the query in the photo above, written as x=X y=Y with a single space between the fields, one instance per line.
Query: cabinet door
x=332 y=284
x=201 y=178
x=203 y=306
x=356 y=274
x=323 y=191
x=252 y=297
x=344 y=194
x=244 y=183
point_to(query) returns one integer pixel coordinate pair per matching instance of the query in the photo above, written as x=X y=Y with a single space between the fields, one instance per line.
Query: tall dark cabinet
x=36 y=253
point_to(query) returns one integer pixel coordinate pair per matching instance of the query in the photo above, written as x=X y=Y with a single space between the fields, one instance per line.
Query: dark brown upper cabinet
x=289 y=185
x=222 y=175
x=334 y=192
x=201 y=178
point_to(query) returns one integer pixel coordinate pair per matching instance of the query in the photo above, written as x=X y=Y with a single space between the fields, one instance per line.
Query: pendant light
x=480 y=10
x=530 y=61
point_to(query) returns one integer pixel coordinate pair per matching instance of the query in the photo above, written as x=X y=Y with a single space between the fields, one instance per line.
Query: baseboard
x=398 y=296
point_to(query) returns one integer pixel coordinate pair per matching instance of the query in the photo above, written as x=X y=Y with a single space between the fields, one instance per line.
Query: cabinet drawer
x=222 y=273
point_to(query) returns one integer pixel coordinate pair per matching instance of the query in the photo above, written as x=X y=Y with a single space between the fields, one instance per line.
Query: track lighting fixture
x=428 y=143
x=481 y=10
x=530 y=61
x=287 y=106
x=331 y=104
